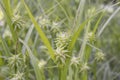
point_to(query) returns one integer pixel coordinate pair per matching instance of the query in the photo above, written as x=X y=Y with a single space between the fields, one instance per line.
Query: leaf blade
x=40 y=32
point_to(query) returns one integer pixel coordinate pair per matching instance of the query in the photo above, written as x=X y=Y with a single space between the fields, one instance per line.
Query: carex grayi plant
x=56 y=46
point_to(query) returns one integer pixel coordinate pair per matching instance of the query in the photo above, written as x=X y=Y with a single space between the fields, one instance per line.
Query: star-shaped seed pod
x=99 y=56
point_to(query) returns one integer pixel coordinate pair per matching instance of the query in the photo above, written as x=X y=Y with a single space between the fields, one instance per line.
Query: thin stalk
x=79 y=13
x=59 y=4
x=106 y=23
x=81 y=52
x=94 y=71
x=41 y=33
x=63 y=73
x=76 y=74
x=84 y=75
x=96 y=25
x=27 y=38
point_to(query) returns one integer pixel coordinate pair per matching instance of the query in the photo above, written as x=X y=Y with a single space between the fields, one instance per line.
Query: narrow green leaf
x=109 y=19
x=79 y=13
x=83 y=46
x=39 y=30
x=7 y=7
x=97 y=23
x=84 y=75
x=76 y=34
x=27 y=38
x=1 y=60
x=5 y=47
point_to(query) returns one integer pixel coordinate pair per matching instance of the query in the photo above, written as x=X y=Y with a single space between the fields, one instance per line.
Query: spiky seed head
x=41 y=64
x=84 y=67
x=15 y=60
x=75 y=61
x=62 y=40
x=18 y=76
x=55 y=27
x=91 y=36
x=44 y=22
x=99 y=56
x=17 y=21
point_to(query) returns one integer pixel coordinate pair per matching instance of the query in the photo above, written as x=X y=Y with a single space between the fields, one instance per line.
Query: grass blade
x=5 y=47
x=39 y=30
x=27 y=38
x=76 y=34
x=107 y=22
x=97 y=23
x=79 y=13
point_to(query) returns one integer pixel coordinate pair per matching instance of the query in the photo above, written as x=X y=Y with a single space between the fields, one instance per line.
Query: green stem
x=63 y=73
x=94 y=70
x=84 y=75
x=75 y=75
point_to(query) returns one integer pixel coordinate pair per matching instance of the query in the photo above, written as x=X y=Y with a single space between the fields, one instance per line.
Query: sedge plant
x=69 y=50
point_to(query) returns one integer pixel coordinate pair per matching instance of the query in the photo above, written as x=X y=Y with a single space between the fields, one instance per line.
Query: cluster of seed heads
x=44 y=22
x=77 y=63
x=62 y=42
x=47 y=24
x=14 y=60
x=61 y=55
x=17 y=22
x=83 y=66
x=18 y=76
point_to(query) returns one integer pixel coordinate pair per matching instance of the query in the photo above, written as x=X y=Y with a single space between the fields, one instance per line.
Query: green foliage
x=59 y=40
x=42 y=35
